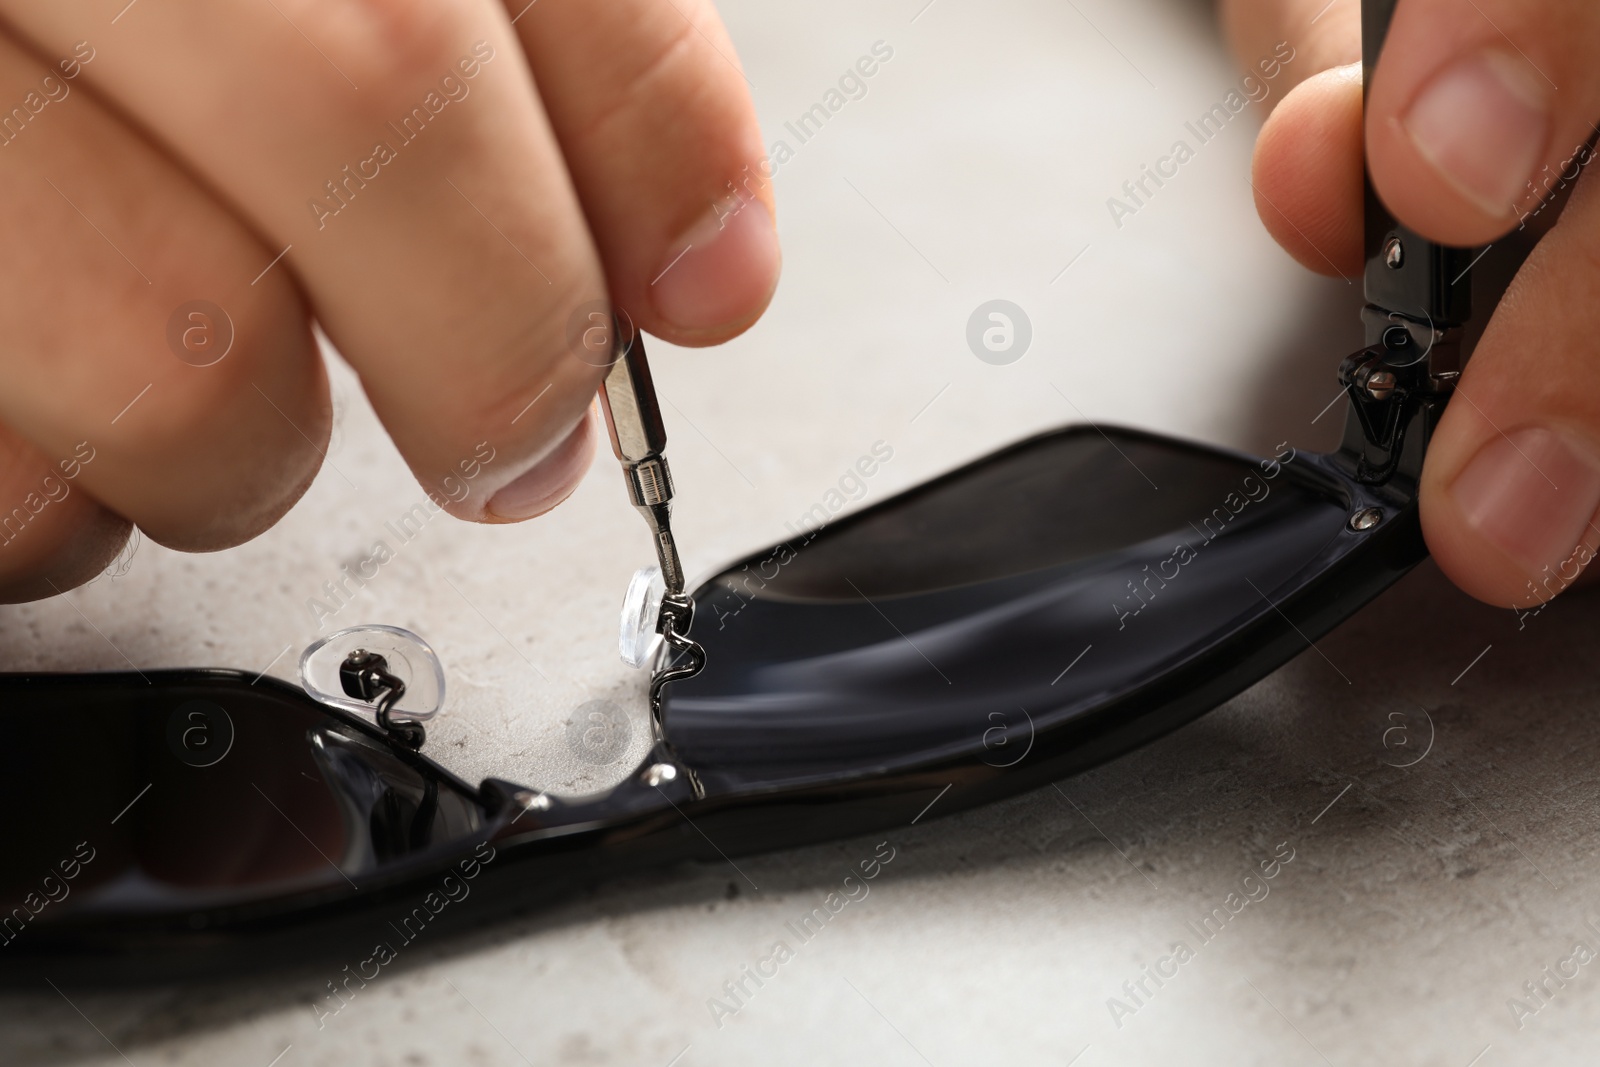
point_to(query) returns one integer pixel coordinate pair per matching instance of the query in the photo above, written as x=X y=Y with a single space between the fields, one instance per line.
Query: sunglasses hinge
x=1398 y=386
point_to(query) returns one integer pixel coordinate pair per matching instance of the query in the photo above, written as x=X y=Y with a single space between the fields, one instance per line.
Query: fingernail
x=1533 y=494
x=1483 y=123
x=548 y=482
x=722 y=271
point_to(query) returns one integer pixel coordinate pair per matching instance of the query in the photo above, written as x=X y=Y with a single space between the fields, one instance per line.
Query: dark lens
x=1065 y=576
x=1070 y=500
x=193 y=790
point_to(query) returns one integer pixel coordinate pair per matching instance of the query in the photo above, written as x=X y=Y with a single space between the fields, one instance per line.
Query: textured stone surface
x=1418 y=899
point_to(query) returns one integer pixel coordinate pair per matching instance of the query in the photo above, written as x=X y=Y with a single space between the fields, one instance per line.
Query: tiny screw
x=1366 y=519
x=1380 y=384
x=1394 y=253
x=531 y=801
x=657 y=773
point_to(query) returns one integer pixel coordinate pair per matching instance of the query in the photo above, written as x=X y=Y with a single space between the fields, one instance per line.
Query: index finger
x=398 y=155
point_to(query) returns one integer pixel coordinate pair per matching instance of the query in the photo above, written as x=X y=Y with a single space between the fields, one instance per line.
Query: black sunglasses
x=1023 y=618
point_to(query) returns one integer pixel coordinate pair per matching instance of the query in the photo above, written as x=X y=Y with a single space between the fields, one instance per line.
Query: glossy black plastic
x=1425 y=281
x=925 y=642
x=188 y=790
x=1066 y=584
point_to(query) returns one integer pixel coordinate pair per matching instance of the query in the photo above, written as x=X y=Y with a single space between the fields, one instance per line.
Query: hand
x=1478 y=107
x=448 y=184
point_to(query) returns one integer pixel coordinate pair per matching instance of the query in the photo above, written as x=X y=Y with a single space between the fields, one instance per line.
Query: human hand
x=449 y=183
x=1480 y=110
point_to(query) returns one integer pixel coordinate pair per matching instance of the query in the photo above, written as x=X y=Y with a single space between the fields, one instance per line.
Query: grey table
x=977 y=165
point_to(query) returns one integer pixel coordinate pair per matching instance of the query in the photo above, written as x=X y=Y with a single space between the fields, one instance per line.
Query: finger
x=1511 y=487
x=53 y=535
x=555 y=478
x=1307 y=172
x=1471 y=102
x=110 y=240
x=397 y=150
x=653 y=114
x=1323 y=33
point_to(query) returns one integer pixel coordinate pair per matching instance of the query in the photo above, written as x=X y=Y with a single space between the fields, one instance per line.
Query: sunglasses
x=1018 y=620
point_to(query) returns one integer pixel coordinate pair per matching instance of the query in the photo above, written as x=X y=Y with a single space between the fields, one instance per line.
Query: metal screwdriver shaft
x=638 y=437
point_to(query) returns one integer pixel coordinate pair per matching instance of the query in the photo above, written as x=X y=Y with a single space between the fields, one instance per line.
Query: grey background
x=977 y=167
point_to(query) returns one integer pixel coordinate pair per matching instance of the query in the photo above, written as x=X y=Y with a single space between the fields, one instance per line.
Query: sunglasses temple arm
x=1405 y=273
x=1418 y=299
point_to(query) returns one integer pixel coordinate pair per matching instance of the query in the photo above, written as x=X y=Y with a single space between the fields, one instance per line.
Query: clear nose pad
x=325 y=673
x=641 y=611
